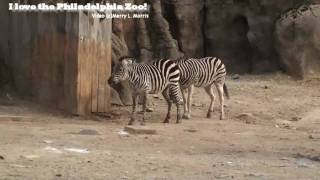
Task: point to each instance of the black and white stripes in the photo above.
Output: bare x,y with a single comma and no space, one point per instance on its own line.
204,72
171,78
160,76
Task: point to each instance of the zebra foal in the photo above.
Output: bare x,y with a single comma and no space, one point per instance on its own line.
205,72
150,78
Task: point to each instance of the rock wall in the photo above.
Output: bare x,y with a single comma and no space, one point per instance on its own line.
5,74
186,19
4,28
298,42
241,32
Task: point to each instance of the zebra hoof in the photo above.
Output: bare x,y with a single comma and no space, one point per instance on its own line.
178,122
131,122
209,115
166,121
222,117
143,123
185,116
149,109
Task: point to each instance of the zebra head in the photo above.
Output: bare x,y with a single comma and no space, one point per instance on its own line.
121,71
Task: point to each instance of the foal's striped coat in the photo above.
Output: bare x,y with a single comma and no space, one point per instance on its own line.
150,78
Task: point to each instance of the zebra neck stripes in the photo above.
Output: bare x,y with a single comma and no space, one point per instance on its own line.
146,77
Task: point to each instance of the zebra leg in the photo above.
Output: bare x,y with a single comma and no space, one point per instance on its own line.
209,91
166,96
179,116
144,107
190,92
148,108
175,94
185,106
168,112
221,97
134,104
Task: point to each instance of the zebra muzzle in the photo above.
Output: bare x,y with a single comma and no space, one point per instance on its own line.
111,82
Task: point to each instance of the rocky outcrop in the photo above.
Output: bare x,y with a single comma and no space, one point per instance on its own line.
163,42
157,43
186,23
143,41
119,49
298,42
240,32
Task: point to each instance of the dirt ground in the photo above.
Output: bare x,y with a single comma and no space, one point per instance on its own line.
272,131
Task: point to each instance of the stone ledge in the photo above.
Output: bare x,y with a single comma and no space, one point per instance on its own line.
140,130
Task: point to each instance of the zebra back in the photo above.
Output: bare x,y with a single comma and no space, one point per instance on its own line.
201,72
169,68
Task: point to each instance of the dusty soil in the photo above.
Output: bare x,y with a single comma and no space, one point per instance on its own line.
272,132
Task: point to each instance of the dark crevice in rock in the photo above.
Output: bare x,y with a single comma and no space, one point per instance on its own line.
240,27
203,26
170,15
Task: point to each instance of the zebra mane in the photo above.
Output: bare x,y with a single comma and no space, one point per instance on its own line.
181,58
127,57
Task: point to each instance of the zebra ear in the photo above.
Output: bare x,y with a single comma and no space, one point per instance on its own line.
130,61
126,61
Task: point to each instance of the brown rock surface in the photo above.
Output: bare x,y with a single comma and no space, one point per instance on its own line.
298,42
186,19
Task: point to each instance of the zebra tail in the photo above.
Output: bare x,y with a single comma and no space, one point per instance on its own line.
226,92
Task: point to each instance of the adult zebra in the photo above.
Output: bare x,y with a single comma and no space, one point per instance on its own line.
150,78
204,72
